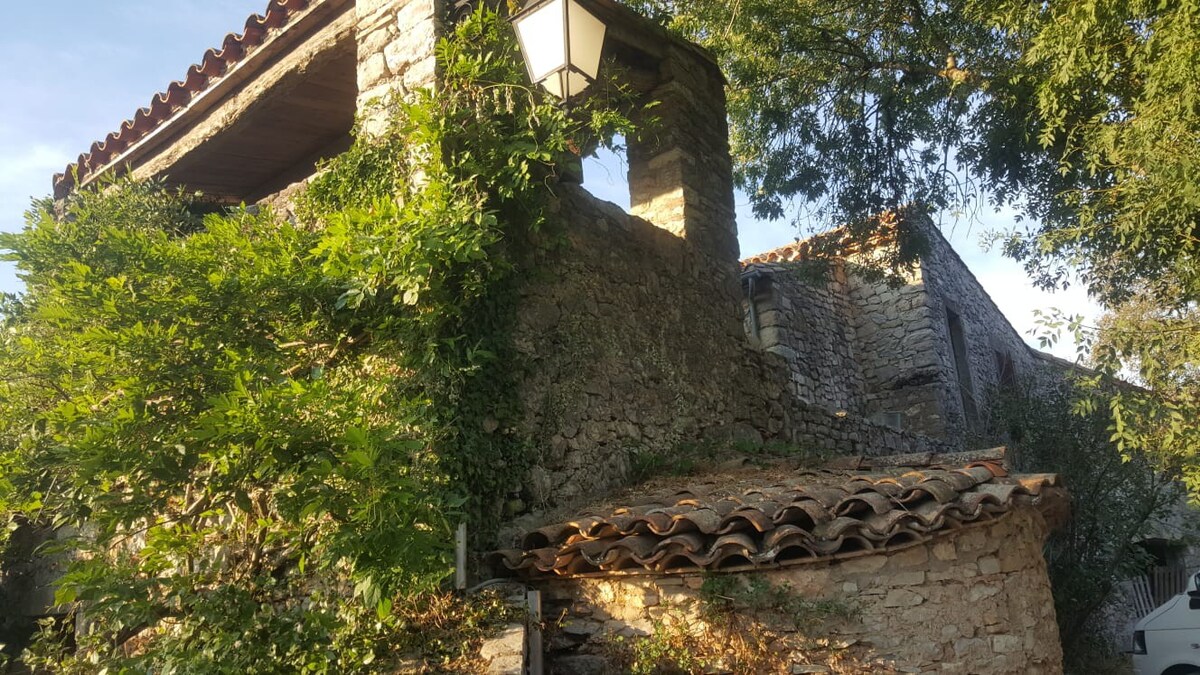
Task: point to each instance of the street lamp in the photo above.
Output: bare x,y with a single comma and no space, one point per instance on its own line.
561,42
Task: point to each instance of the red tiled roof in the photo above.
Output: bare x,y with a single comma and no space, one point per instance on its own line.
835,243
778,520
164,105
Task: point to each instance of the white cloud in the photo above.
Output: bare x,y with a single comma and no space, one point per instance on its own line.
38,159
25,173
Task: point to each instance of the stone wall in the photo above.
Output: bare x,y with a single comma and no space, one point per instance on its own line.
806,318
989,339
895,334
394,50
976,600
853,346
631,330
632,341
396,41
886,352
680,170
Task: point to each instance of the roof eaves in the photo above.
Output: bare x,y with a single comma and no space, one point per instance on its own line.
181,96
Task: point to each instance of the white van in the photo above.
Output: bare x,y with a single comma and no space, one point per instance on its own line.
1167,640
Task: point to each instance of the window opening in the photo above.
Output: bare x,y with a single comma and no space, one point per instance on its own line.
962,367
1006,373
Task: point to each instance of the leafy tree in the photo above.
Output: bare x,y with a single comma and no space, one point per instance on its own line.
1115,504
1082,115
260,432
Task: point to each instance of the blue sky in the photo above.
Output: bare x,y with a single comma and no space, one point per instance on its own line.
76,68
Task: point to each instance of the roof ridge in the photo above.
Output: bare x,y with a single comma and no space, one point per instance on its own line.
840,240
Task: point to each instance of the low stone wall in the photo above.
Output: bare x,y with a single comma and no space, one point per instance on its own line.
834,434
976,600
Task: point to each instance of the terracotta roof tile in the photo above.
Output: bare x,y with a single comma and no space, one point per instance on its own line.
839,242
771,520
164,105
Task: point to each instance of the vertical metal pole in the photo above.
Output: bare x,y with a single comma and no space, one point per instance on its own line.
533,633
460,557
566,81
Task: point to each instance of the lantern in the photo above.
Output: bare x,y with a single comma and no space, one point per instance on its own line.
561,43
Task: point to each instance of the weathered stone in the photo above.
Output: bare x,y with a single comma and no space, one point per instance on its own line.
864,565
973,650
906,578
1007,644
944,550
580,628
578,664
506,664
900,597
971,540
510,641
981,591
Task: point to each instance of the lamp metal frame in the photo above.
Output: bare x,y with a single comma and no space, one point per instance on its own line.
563,73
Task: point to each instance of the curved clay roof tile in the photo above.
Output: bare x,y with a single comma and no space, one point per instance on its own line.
163,105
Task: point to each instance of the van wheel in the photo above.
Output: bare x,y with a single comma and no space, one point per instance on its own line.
1182,670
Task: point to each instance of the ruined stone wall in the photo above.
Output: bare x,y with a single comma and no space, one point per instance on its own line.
976,600
989,339
853,346
805,317
886,353
896,337
631,340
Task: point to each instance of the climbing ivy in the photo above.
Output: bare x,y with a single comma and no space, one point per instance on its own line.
253,435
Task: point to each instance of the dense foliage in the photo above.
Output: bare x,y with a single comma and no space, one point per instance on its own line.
254,435
1083,116
1115,504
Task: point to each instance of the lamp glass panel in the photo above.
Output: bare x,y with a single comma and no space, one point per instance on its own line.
554,83
542,39
587,40
573,82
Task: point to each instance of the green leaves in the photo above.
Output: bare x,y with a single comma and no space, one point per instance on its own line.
262,433
1118,500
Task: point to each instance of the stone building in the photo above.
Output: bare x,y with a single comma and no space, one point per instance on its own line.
936,561
653,332
927,356
645,339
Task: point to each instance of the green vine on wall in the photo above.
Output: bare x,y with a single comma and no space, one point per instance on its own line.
254,437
